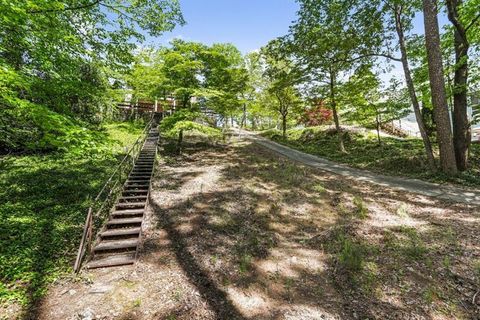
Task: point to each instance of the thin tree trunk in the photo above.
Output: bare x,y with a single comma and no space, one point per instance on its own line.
377,120
244,116
461,126
333,103
179,141
437,87
283,110
411,89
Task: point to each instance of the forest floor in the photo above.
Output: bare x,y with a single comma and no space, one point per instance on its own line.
238,232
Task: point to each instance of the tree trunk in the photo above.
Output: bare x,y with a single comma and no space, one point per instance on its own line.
333,103
179,141
377,120
411,89
437,87
461,126
244,116
284,124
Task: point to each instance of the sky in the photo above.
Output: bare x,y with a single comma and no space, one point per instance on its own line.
248,24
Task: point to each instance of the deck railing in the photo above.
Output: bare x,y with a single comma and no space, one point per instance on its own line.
102,203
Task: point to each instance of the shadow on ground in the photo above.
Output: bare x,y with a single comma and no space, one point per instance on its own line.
270,239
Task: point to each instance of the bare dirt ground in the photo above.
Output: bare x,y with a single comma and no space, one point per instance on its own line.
238,232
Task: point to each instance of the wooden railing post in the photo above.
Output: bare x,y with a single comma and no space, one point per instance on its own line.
85,236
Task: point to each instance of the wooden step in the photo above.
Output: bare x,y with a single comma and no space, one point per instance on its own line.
130,204
137,185
135,191
125,221
112,261
125,211
123,214
127,198
116,245
120,232
143,189
137,176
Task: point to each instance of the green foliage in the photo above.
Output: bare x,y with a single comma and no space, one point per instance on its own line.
25,126
43,202
213,74
360,209
196,128
169,122
476,269
183,121
351,256
62,56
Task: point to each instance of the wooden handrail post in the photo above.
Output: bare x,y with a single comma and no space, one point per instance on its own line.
86,227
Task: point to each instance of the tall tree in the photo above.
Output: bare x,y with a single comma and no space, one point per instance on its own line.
281,81
437,87
326,41
463,17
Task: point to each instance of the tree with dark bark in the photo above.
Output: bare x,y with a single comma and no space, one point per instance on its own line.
437,87
463,24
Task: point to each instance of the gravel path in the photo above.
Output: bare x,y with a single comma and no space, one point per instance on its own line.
443,192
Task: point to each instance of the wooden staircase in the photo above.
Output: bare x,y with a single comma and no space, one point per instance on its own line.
117,242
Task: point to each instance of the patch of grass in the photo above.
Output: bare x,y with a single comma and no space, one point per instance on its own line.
245,263
402,211
430,295
319,188
43,203
476,269
351,256
410,245
404,157
361,211
177,295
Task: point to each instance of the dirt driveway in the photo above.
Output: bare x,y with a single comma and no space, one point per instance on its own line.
238,232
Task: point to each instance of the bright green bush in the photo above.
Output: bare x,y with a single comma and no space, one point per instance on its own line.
196,128
25,126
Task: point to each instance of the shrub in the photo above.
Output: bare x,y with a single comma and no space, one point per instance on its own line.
29,127
351,256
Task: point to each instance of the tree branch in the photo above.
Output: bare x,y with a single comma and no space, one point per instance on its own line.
385,55
475,20
84,6
453,17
